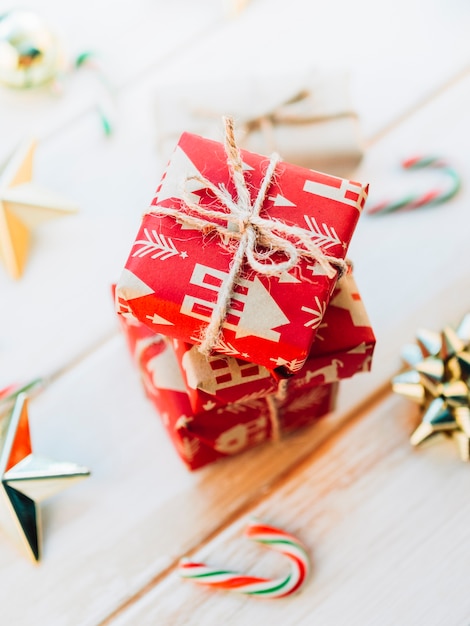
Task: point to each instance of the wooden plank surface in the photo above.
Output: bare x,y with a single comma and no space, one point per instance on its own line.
387,529
141,509
87,415
114,540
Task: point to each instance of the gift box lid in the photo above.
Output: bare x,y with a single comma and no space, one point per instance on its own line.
178,266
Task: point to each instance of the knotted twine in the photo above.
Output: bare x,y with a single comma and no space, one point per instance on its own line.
282,116
259,238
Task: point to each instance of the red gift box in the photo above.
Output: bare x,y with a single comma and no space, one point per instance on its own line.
215,381
202,439
175,271
344,345
299,407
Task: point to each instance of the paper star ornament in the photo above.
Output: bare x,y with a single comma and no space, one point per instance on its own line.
439,381
23,205
27,479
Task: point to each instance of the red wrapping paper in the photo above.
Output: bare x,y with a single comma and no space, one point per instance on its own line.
173,273
212,435
218,380
304,405
344,346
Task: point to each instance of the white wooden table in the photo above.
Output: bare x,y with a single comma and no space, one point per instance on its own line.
388,526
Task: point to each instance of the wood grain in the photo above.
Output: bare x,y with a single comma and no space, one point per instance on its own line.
387,527
141,509
386,524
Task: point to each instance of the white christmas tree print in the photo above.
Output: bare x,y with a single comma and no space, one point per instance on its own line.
256,325
190,447
307,400
173,181
239,407
317,313
349,299
256,298
293,366
319,336
157,246
226,348
209,405
252,399
324,239
126,312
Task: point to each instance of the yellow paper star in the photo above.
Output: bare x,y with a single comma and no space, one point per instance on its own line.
27,480
23,205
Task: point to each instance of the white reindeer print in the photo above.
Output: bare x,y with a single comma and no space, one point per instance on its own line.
329,373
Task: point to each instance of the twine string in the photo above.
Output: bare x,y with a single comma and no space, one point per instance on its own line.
274,417
245,211
258,238
280,115
267,122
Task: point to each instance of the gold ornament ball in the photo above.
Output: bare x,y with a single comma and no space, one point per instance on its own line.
30,52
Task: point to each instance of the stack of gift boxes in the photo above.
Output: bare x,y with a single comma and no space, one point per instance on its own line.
286,340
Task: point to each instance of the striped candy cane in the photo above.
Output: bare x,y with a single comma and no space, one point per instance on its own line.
430,198
10,393
106,100
271,537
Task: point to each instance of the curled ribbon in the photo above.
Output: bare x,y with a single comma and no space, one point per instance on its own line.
250,229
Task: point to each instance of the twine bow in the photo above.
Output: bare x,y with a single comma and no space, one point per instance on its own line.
259,238
282,115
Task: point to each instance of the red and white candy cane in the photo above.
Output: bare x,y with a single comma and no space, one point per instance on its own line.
9,394
274,538
432,197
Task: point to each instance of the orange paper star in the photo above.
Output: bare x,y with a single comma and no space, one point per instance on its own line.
23,205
